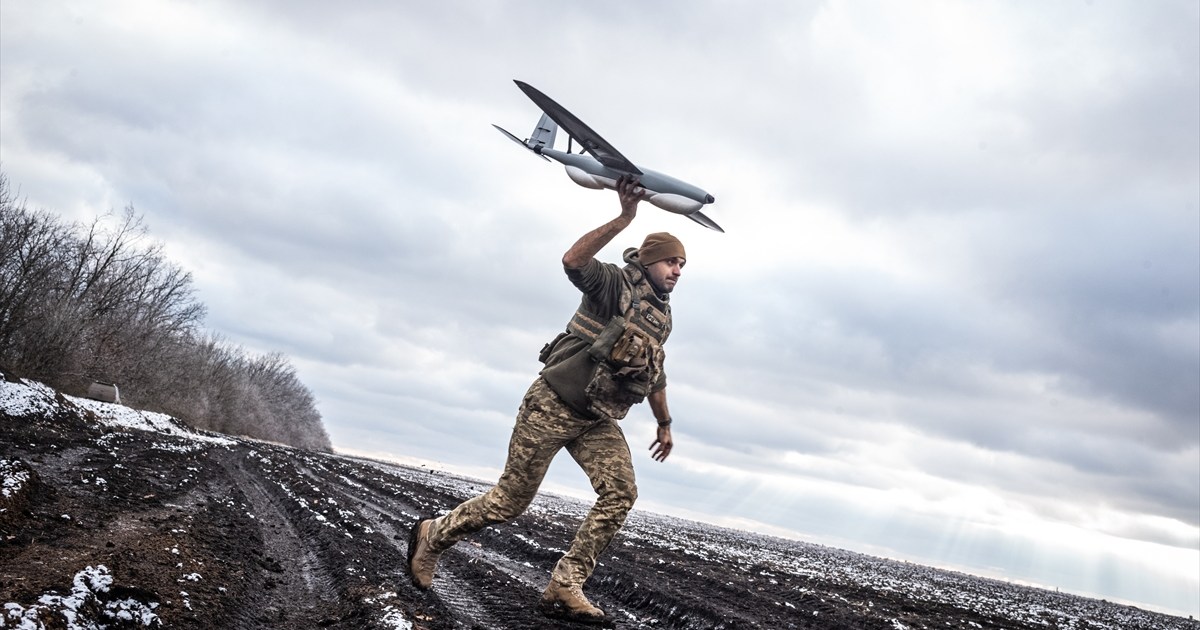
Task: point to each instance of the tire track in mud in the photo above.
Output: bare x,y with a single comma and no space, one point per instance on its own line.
302,588
496,583
458,593
478,586
674,597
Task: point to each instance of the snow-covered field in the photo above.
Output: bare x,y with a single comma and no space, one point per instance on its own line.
113,517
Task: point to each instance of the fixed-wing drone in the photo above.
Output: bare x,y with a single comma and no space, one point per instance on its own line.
606,164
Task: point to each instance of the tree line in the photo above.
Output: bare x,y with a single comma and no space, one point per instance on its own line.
98,301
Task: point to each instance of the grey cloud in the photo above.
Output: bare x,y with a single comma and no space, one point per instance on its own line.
334,176
915,346
1099,288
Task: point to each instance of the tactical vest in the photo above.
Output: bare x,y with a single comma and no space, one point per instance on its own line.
627,348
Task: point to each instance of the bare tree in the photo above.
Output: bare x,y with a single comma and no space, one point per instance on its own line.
32,246
101,302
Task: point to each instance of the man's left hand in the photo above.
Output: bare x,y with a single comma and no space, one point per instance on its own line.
662,444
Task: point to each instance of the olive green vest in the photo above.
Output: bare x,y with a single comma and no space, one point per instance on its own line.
627,349
613,364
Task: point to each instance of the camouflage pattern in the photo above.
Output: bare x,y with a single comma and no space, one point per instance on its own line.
544,426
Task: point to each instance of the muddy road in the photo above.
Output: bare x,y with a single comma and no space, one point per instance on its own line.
121,520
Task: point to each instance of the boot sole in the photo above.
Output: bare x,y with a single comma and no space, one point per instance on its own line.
557,611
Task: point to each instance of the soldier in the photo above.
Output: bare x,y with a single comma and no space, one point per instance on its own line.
609,358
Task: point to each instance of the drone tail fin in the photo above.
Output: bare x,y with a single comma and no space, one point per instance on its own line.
519,141
542,136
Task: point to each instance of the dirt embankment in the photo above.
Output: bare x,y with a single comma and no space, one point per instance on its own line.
114,526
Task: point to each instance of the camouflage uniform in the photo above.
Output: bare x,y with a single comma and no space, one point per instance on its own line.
545,425
548,421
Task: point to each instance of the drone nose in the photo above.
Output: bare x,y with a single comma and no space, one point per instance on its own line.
708,199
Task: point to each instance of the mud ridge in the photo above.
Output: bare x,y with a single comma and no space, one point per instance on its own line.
126,528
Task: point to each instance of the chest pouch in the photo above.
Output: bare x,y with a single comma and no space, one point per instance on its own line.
632,361
630,349
606,341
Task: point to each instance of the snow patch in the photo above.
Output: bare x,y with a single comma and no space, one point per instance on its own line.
17,399
122,417
392,617
74,609
25,400
12,477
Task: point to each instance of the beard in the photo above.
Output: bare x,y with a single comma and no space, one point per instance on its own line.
658,286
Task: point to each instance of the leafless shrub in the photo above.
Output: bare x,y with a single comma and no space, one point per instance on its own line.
101,302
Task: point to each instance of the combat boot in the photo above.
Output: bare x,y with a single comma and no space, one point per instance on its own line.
569,603
422,559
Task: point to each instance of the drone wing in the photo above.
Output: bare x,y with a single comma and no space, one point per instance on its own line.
700,218
600,149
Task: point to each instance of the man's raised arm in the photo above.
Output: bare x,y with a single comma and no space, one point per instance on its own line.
591,243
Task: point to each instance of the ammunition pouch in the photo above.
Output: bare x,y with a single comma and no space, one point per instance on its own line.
609,395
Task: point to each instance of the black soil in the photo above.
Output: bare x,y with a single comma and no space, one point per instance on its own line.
252,535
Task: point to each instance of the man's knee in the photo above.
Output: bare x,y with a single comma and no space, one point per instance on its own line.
630,494
620,495
506,512
506,504
613,480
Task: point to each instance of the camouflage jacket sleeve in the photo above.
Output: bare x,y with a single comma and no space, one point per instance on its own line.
601,285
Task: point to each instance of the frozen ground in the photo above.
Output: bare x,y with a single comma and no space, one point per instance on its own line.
111,518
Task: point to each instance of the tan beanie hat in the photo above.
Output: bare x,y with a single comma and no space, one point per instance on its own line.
659,246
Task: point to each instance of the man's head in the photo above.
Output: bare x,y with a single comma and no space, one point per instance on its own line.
663,257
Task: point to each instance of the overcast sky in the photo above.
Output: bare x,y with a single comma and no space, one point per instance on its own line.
955,317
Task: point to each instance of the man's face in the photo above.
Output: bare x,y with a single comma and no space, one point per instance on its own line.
664,274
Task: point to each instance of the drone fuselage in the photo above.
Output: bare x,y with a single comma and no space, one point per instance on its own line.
662,190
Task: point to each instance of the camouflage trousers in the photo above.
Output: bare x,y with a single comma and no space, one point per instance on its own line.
544,426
